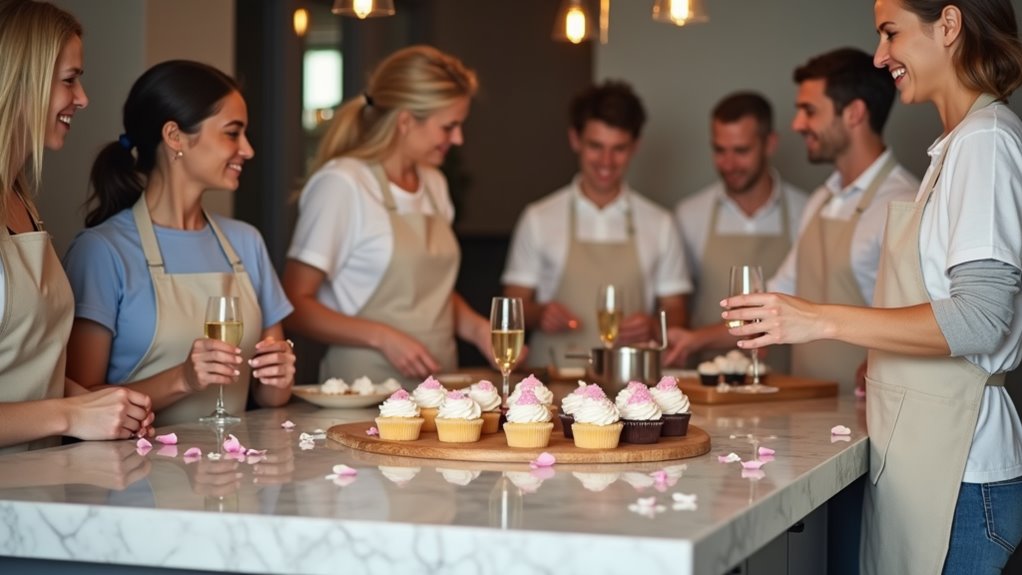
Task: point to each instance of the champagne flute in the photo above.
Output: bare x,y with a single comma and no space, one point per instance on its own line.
223,322
747,279
507,334
609,302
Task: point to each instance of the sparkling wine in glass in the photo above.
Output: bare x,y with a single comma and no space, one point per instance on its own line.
507,334
748,279
609,303
223,322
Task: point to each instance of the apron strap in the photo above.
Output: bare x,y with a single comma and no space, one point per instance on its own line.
388,196
225,244
151,247
782,204
982,101
874,185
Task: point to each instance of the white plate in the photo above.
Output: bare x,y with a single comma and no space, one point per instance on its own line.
681,373
312,394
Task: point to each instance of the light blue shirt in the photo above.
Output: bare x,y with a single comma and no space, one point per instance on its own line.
112,286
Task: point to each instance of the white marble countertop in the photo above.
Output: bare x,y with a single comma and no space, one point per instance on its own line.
103,502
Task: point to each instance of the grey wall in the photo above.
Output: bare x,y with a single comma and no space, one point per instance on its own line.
747,44
121,40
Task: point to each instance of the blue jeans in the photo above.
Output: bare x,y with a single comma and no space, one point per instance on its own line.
986,529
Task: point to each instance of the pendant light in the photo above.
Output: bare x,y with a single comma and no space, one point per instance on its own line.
574,23
680,12
363,9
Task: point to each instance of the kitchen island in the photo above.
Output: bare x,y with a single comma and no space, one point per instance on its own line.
103,502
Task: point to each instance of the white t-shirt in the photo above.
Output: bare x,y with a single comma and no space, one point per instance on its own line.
974,215
693,216
539,247
900,185
344,229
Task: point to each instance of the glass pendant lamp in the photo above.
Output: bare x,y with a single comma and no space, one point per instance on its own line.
362,9
575,22
680,12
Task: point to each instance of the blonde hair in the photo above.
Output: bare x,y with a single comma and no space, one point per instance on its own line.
32,35
419,79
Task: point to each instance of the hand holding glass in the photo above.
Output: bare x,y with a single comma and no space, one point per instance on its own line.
507,335
609,312
745,280
223,322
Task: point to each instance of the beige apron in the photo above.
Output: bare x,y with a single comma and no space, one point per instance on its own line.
37,317
415,294
921,413
726,250
180,312
824,274
587,266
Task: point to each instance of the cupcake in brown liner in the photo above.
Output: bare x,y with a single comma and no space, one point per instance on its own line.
399,418
429,395
641,415
597,421
568,406
459,419
566,421
485,394
709,373
675,406
528,422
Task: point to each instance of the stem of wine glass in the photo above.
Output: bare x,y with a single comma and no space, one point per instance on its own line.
755,367
506,375
220,411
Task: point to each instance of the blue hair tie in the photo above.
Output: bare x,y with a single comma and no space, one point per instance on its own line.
125,142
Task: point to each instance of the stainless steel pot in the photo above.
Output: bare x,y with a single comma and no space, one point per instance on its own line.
613,368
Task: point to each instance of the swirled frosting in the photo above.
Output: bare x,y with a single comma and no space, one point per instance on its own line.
544,395
485,394
670,399
399,404
334,386
596,408
363,386
641,406
625,394
429,393
528,409
571,401
458,405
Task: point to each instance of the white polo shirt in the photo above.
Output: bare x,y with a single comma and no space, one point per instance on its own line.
539,246
899,185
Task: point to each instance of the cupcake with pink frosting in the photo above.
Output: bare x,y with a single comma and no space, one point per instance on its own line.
625,394
597,421
545,396
485,394
459,419
528,422
399,418
675,406
429,395
568,406
642,417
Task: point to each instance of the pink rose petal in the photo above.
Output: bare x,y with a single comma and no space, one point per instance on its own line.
840,430
373,432
755,474
288,424
545,459
345,471
143,450
766,451
143,443
766,458
168,439
752,464
167,451
232,445
192,454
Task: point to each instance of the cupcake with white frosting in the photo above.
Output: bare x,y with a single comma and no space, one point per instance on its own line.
429,395
675,406
363,386
334,386
568,406
399,418
528,422
459,419
642,417
597,421
485,394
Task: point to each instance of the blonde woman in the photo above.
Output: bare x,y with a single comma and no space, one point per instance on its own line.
945,478
373,260
40,92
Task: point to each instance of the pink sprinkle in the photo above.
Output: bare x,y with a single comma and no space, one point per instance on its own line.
288,424
343,470
400,394
545,459
456,395
168,439
594,392
192,454
633,385
530,382
167,451
143,443
640,395
485,385
528,397
752,464
430,383
667,383
232,445
373,432
766,451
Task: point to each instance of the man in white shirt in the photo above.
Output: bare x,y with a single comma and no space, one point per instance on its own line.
842,105
596,231
749,216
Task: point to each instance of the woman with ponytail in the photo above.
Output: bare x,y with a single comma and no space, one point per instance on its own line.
373,260
151,257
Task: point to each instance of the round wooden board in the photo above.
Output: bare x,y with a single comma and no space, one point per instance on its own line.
493,448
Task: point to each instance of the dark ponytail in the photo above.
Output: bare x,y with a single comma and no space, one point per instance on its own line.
180,91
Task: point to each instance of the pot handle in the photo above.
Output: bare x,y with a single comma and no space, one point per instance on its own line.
663,330
585,356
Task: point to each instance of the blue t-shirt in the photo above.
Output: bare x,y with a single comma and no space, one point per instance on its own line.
112,286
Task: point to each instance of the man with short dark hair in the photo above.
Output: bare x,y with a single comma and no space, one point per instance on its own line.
595,231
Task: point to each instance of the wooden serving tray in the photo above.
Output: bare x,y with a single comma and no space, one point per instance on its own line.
493,448
790,387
